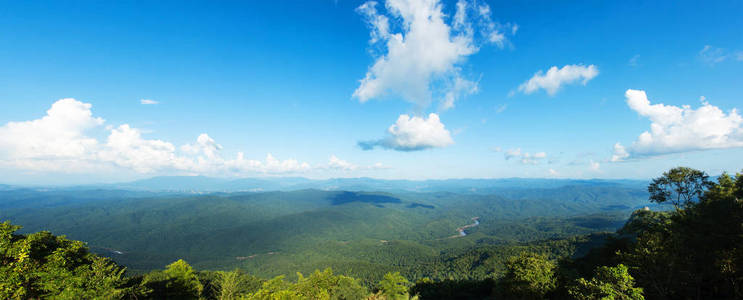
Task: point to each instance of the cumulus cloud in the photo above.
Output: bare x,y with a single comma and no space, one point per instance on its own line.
60,141
676,129
420,51
413,133
59,135
148,102
555,78
620,153
523,157
125,147
204,145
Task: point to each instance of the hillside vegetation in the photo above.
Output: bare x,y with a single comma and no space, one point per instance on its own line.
363,234
690,252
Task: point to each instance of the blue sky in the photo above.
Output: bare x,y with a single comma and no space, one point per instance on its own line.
285,78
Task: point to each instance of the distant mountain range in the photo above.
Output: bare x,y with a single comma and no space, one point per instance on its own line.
198,184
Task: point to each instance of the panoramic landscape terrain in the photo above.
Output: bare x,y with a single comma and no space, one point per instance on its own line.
364,233
361,149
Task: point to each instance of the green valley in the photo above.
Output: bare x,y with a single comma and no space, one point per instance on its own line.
363,234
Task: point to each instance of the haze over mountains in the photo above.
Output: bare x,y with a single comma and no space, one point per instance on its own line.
469,186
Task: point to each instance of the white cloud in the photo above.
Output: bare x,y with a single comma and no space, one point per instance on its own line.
620,153
595,166
270,165
461,88
420,54
126,148
413,133
523,157
680,129
492,31
204,145
60,142
59,136
338,164
556,78
460,17
335,163
148,102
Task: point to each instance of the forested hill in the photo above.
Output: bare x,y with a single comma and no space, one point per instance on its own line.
691,251
273,233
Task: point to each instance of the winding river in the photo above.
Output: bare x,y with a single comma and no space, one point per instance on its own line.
476,221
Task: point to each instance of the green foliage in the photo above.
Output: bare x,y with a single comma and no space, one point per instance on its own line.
394,286
306,230
319,285
48,266
229,285
694,247
275,289
645,221
453,289
325,285
680,186
609,283
177,281
695,251
529,276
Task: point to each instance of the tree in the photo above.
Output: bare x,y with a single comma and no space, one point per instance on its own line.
680,186
528,276
696,250
325,285
394,286
609,283
229,285
320,285
275,289
177,281
348,288
738,193
41,265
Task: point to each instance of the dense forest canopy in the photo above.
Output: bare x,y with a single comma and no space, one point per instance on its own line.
363,234
692,251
